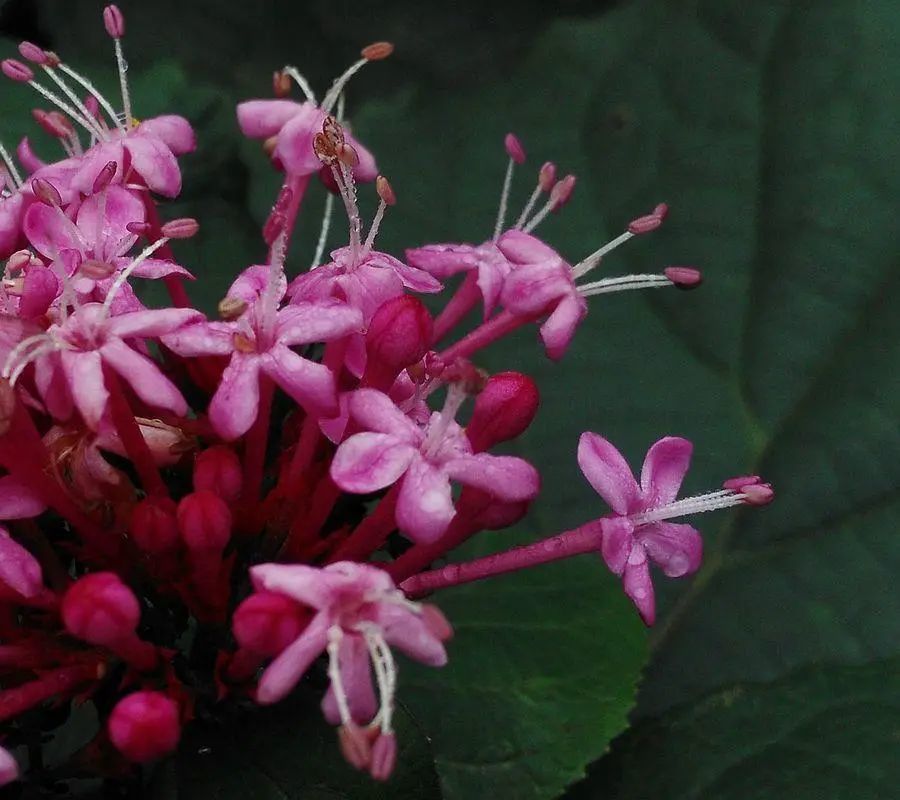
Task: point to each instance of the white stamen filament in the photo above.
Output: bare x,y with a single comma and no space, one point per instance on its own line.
341,108
623,284
20,349
34,355
504,198
11,167
347,188
89,87
123,83
335,635
529,206
587,264
126,273
323,231
63,106
699,504
385,675
538,218
338,86
373,228
67,91
294,74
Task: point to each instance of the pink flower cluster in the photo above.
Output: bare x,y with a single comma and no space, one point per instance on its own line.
145,477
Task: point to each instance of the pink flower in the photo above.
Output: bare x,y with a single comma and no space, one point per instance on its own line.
9,770
20,572
637,531
259,348
393,448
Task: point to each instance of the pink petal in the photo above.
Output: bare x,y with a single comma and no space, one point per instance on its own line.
677,548
174,131
608,472
19,570
28,158
416,279
523,248
84,374
260,119
617,542
17,500
664,468
311,384
493,269
404,629
307,585
9,769
155,268
102,219
152,323
236,402
144,377
560,326
368,288
504,477
303,323
202,339
11,211
367,462
250,284
356,676
425,504
40,289
295,140
285,671
53,386
49,231
154,162
375,411
443,260
531,289
92,162
638,586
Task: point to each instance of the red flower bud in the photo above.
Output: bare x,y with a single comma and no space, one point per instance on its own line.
100,609
153,526
503,410
218,469
399,335
266,623
204,521
144,726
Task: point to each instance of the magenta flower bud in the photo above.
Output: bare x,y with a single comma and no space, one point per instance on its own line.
738,483
562,191
153,526
100,609
355,745
684,277
104,177
399,335
204,521
514,148
46,192
31,52
645,224
114,21
547,176
9,770
758,494
144,726
16,70
218,470
503,410
266,623
183,228
384,757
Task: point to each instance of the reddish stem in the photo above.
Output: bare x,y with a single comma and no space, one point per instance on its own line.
132,439
305,529
62,681
585,539
463,301
137,653
255,450
372,532
419,556
487,333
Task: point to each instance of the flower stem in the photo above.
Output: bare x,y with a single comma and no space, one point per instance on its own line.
462,302
487,333
372,532
585,539
62,681
420,556
255,450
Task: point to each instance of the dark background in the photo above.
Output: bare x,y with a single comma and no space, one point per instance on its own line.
771,129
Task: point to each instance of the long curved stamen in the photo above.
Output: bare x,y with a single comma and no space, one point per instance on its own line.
587,264
94,92
385,675
300,80
373,52
623,284
20,349
90,126
335,636
323,231
125,273
97,131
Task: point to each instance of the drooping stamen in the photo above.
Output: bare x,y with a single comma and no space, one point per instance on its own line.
294,74
95,93
114,22
123,276
546,181
516,154
637,227
98,131
387,198
623,283
10,165
335,636
700,504
385,675
559,196
373,52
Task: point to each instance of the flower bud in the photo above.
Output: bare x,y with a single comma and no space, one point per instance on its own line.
384,757
19,570
266,623
204,521
183,228
9,770
16,70
100,609
514,148
114,21
153,526
684,277
503,410
218,470
144,726
399,335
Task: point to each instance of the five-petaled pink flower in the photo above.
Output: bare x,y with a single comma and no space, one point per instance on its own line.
392,447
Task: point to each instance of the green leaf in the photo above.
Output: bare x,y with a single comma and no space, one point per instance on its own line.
826,731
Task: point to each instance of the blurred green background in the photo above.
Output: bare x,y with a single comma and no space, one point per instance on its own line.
772,128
